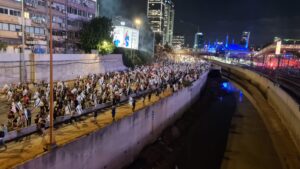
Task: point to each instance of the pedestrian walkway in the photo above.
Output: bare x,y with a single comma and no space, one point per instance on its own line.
32,146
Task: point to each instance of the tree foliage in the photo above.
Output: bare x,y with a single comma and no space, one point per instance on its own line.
105,47
94,33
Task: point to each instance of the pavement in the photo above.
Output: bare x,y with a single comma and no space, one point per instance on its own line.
32,146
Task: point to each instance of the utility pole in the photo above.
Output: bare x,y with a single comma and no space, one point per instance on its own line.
154,44
22,57
51,141
66,26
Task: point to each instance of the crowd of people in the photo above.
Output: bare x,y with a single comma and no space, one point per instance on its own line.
30,102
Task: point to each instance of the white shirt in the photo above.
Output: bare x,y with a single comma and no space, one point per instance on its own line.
79,110
68,110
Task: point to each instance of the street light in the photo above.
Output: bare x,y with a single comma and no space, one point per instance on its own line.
51,141
22,57
138,23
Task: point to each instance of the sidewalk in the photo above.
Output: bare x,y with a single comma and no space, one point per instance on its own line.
32,146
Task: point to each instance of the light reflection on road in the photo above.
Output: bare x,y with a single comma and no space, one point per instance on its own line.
230,88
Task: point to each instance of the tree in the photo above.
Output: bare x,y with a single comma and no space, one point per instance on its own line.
96,34
105,47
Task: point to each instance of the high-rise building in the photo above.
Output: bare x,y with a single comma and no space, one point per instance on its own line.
161,17
156,16
178,41
67,19
245,39
199,41
168,22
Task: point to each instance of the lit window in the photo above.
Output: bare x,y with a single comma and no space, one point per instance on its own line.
18,28
42,31
27,29
5,26
36,31
31,29
12,27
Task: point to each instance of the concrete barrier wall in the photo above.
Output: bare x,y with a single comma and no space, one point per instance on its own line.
286,107
117,145
66,66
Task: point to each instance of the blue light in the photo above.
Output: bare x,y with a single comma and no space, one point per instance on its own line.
237,47
225,85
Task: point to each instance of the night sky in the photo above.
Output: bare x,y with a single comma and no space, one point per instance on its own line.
215,18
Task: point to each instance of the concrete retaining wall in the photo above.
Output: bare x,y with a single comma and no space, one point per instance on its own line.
118,144
66,66
286,107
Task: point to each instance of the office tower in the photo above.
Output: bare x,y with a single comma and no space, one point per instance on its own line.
161,14
245,39
168,22
156,16
178,41
199,41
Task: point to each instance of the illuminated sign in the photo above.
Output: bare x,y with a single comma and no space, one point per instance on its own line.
278,48
125,37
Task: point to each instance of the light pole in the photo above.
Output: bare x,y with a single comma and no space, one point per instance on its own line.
278,54
51,141
153,44
22,57
137,23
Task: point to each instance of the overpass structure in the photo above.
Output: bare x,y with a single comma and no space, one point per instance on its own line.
289,46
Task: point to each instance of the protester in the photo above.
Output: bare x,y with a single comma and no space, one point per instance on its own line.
72,98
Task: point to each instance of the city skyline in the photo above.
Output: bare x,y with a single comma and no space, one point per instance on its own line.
264,19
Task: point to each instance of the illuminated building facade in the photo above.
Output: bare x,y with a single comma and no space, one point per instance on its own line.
245,39
156,15
161,14
68,16
178,41
199,41
168,22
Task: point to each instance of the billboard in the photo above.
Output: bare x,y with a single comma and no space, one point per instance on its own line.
125,37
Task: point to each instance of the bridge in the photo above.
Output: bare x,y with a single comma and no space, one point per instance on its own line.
288,46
